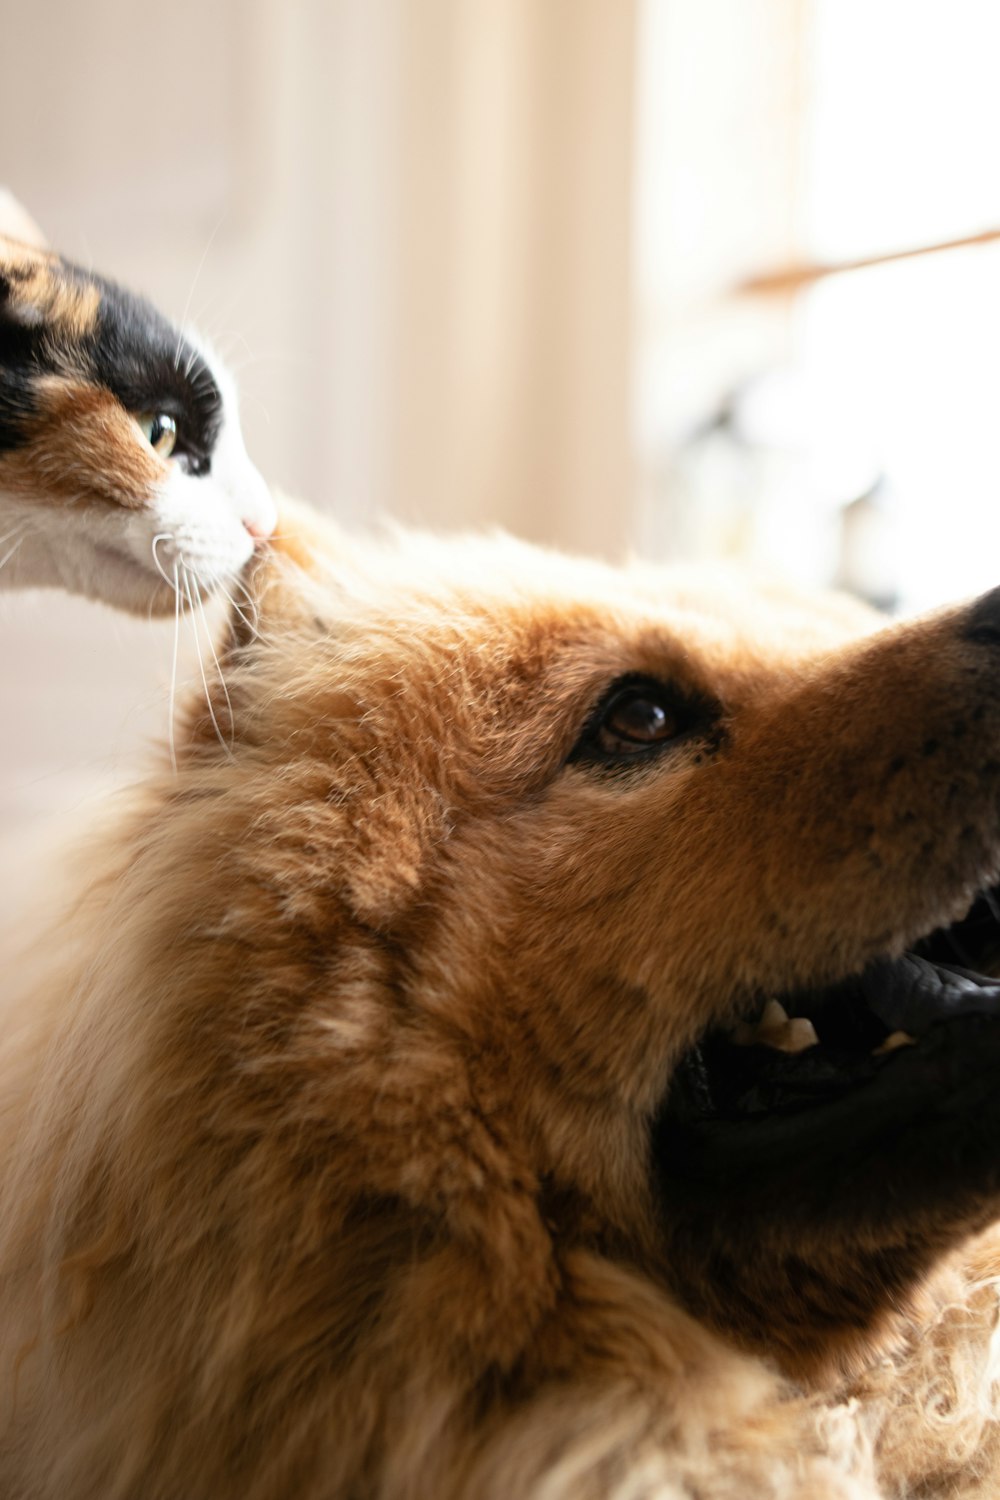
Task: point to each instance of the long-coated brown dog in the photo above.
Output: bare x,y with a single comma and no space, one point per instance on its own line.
523,1055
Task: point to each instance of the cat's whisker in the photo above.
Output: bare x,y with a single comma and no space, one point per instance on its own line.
250,624
218,667
173,671
7,557
196,373
19,530
231,338
238,580
201,379
194,285
201,662
164,536
252,396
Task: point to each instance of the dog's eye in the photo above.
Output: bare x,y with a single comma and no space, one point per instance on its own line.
635,719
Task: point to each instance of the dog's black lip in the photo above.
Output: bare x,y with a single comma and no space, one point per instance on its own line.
913,994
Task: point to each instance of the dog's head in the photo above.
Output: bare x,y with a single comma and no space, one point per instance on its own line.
479,873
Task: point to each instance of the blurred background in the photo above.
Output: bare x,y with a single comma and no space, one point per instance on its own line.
681,277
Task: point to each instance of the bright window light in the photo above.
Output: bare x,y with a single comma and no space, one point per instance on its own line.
903,126
847,432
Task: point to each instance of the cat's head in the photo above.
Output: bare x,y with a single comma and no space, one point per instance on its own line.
123,472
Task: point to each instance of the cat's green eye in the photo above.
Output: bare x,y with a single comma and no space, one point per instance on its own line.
159,430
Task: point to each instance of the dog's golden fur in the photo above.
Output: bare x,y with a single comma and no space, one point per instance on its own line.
324,1156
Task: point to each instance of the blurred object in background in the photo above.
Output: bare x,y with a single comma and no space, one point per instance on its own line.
881,147
869,547
785,474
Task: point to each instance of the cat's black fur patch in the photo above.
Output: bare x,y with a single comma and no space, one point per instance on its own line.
132,351
21,363
139,356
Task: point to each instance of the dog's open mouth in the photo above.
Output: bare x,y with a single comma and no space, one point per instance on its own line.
816,1158
814,1046
887,1083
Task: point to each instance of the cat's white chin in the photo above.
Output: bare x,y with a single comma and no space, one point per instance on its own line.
167,555
138,586
170,561
182,543
106,572
134,584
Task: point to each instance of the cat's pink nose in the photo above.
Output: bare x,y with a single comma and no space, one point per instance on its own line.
258,510
259,533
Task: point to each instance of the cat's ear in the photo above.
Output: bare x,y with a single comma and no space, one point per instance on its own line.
17,224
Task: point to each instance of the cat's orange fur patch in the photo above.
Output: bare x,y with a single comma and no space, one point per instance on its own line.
86,449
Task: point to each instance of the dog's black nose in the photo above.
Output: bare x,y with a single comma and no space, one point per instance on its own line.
982,623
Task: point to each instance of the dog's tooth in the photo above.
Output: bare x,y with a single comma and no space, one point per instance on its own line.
893,1041
798,1035
775,1015
777,1030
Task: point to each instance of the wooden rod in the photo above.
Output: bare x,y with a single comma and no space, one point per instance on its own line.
794,278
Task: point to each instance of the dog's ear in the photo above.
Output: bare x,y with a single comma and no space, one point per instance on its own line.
17,224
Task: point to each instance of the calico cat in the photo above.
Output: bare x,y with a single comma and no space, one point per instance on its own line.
123,473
